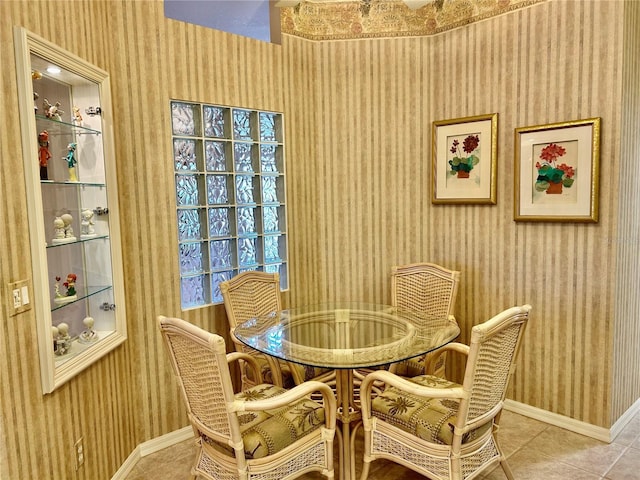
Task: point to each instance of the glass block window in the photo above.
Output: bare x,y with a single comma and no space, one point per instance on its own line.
230,196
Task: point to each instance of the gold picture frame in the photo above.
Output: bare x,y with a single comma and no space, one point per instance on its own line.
464,156
557,172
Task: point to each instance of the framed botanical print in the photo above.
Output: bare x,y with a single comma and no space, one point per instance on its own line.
464,153
557,172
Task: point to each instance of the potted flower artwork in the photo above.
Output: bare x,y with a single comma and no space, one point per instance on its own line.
463,162
551,175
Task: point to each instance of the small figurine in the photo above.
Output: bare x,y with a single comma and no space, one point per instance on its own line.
71,161
57,289
43,154
54,334
70,285
52,111
68,228
77,117
35,107
87,223
61,338
89,335
58,225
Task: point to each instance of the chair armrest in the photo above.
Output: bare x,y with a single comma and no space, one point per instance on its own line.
432,358
290,396
455,347
249,360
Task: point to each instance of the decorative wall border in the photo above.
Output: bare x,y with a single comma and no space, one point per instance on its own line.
350,19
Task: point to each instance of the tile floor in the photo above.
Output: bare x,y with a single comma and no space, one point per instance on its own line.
535,450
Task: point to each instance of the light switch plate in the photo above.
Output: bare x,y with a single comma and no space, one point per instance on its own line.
19,297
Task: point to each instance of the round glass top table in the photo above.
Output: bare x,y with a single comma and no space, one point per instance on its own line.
346,336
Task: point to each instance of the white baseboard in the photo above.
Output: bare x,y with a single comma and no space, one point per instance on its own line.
624,419
152,446
164,441
583,428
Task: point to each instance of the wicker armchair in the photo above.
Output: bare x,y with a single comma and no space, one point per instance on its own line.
251,294
264,432
438,428
427,288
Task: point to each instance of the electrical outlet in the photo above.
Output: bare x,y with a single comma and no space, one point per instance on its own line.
78,448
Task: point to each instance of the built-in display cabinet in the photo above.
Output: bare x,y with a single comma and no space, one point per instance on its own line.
65,114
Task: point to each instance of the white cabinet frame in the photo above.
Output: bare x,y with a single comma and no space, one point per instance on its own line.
53,371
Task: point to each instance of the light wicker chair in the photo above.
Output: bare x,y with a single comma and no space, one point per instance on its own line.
438,428
252,294
248,295
426,288
263,433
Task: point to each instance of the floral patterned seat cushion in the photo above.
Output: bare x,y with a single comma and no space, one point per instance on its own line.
267,432
431,419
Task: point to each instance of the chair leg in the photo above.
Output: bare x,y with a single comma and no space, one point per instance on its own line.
366,457
365,470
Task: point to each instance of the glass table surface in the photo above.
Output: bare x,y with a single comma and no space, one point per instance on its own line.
346,335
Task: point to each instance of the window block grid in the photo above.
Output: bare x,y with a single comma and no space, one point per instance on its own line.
230,196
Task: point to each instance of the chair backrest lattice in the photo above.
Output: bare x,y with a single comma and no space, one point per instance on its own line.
425,287
249,295
492,355
199,362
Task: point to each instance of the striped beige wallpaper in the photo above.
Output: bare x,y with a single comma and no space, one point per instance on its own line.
626,381
358,119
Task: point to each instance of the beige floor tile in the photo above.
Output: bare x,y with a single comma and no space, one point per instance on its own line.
516,430
529,464
577,450
630,433
627,467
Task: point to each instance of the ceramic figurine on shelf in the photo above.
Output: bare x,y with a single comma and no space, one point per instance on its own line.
70,285
54,334
71,161
87,223
71,293
62,339
57,290
43,154
52,111
63,230
58,225
77,116
89,335
68,228
35,75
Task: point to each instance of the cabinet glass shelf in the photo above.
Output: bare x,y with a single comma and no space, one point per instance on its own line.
78,348
82,294
58,127
79,240
72,184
